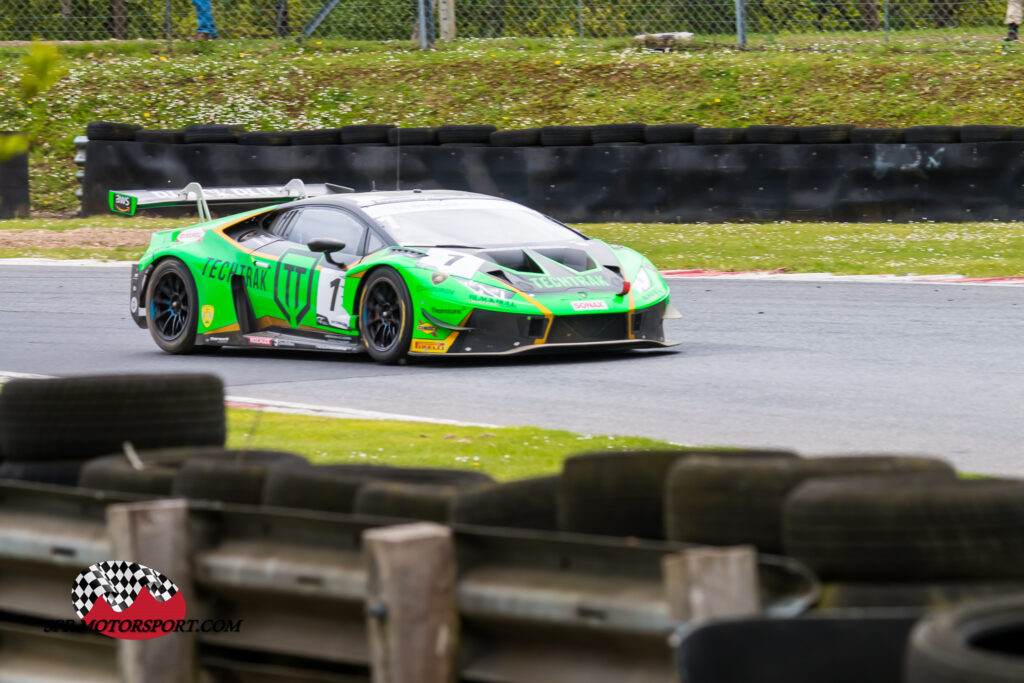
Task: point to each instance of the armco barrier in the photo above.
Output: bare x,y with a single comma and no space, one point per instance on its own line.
665,183
533,606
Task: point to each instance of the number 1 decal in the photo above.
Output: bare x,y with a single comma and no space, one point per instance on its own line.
330,300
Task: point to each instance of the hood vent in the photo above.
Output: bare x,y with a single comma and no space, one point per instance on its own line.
512,259
575,259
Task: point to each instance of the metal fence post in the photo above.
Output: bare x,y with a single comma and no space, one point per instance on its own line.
885,12
423,23
167,21
741,24
579,18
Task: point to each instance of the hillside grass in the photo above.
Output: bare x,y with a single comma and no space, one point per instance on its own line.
287,85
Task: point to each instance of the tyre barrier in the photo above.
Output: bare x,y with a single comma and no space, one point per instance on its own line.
850,647
978,642
525,504
49,419
621,171
237,478
908,528
621,493
730,501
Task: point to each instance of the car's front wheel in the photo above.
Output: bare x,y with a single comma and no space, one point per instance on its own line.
385,316
173,307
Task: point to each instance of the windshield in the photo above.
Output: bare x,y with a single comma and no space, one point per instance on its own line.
467,222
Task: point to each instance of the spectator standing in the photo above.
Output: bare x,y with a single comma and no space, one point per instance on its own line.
204,17
1013,17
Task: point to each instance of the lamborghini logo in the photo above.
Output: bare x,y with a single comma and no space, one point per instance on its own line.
207,312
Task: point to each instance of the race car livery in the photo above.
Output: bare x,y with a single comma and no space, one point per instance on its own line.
390,273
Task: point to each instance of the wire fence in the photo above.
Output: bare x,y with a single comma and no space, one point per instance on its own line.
843,24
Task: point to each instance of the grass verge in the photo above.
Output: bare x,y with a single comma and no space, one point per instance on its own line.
970,249
503,452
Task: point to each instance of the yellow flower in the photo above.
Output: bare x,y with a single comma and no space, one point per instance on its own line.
163,59
717,100
557,62
146,114
319,42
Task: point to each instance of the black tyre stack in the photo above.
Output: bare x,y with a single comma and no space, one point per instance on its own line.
50,427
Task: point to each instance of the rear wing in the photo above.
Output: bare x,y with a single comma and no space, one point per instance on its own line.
127,202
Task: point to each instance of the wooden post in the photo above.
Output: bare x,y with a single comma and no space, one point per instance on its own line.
411,609
155,533
446,17
711,583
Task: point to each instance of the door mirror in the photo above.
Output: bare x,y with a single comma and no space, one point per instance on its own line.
327,246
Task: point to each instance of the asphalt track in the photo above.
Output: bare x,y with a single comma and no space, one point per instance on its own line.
820,367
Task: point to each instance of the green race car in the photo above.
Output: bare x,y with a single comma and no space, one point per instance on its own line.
393,274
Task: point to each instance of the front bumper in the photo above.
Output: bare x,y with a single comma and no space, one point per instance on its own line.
498,333
137,297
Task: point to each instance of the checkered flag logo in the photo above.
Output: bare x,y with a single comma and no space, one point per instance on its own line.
119,583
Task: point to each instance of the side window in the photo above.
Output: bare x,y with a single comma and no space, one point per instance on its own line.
280,224
374,243
317,221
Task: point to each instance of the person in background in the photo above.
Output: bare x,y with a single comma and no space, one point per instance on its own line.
204,17
1013,17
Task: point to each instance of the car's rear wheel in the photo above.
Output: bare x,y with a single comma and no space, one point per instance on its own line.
385,316
173,307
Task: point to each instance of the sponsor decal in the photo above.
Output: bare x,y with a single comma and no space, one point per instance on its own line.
283,342
261,341
427,328
438,278
218,269
191,235
552,282
115,598
219,340
447,311
428,346
293,284
207,314
589,306
493,302
122,203
134,305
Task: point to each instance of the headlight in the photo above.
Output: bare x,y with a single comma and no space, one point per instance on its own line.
642,282
487,290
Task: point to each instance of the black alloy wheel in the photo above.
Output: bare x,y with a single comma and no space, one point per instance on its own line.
172,307
385,316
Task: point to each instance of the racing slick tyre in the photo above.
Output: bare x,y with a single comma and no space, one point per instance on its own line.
173,307
273,138
412,136
772,135
617,133
385,316
986,133
669,133
878,136
238,479
480,134
922,528
333,488
719,136
83,417
212,132
366,134
933,134
160,467
976,642
734,501
426,502
60,472
524,137
162,136
622,493
819,135
525,504
565,136
109,130
324,136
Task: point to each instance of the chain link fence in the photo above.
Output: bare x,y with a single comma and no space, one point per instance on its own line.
844,24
